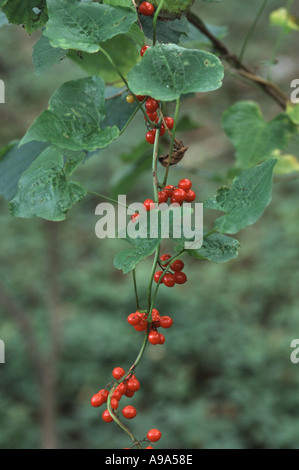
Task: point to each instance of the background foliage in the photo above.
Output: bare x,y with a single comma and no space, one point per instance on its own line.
224,378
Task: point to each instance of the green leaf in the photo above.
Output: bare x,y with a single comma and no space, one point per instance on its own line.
30,13
45,56
3,19
73,118
245,202
167,31
13,162
120,48
216,247
44,190
82,26
255,140
168,71
126,260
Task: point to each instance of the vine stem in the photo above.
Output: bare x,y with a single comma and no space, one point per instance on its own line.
93,193
251,30
160,6
111,61
177,107
135,289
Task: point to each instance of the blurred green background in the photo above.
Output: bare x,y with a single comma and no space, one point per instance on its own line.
224,378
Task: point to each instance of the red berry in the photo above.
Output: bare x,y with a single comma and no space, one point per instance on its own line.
134,319
162,196
149,204
133,385
154,435
169,189
169,122
146,9
114,403
117,394
118,372
169,280
134,217
157,276
179,195
154,337
151,105
151,136
129,412
180,278
177,265
164,258
162,130
149,447
104,393
129,393
152,116
97,400
122,388
143,50
166,321
142,326
141,97
185,184
162,339
107,416
190,196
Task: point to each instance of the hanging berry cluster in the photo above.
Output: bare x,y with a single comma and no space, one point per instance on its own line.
140,322
173,275
125,385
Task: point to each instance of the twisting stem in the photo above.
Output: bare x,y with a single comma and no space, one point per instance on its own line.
135,289
172,140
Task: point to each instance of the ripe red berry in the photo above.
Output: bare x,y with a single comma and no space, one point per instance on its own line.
152,116
166,321
118,372
121,388
107,416
114,403
177,265
162,130
162,339
151,136
134,319
169,122
162,196
190,196
129,393
133,385
143,50
149,204
142,326
154,337
157,275
146,9
129,412
104,393
180,277
169,189
179,195
151,105
185,184
154,435
141,97
97,400
169,279
164,258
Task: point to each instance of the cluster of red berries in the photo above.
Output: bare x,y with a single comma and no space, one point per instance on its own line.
146,9
126,387
139,320
169,279
183,193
